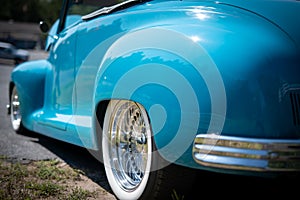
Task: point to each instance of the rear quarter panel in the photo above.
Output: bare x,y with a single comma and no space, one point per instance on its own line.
196,68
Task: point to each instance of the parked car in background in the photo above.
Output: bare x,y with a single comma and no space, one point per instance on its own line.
205,85
9,51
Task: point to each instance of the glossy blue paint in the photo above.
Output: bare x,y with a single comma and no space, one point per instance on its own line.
196,67
29,78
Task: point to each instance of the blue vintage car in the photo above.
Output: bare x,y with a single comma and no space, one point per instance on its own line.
145,85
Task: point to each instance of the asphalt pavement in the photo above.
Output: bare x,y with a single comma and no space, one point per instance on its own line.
16,146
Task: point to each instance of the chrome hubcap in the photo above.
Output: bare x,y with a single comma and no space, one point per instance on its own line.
128,149
15,110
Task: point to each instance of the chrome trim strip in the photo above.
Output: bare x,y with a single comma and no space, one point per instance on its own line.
251,154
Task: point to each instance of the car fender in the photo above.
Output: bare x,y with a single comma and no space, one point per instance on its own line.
159,76
209,55
29,79
221,79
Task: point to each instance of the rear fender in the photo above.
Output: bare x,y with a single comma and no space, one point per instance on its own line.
160,76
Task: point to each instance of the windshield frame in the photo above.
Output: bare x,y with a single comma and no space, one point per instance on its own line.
109,9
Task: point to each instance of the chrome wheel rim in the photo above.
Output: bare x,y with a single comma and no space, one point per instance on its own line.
129,146
15,110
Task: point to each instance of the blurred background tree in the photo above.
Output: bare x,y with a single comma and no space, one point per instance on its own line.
30,10
19,21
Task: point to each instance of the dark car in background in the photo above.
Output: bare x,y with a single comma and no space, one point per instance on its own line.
9,51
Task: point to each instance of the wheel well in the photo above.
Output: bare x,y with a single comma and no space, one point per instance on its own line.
100,114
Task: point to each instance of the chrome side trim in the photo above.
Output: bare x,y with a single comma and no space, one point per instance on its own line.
251,154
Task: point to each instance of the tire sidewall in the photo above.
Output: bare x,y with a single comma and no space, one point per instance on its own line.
115,186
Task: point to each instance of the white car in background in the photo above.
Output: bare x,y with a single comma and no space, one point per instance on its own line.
9,51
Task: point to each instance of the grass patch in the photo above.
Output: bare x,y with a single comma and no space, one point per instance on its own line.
49,170
44,189
40,180
78,194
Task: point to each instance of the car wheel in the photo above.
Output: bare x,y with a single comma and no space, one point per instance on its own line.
15,111
131,166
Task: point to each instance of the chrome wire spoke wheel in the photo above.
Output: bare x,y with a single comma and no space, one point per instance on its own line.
15,115
127,148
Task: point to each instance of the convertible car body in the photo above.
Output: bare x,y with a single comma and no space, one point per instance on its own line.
201,84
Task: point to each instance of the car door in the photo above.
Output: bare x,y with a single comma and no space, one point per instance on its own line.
60,79
60,95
